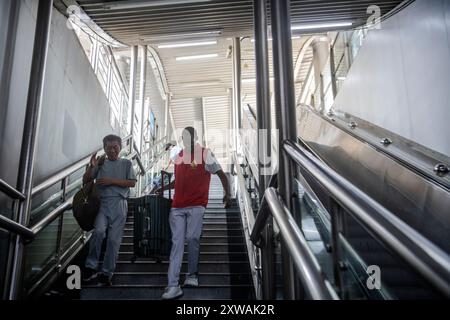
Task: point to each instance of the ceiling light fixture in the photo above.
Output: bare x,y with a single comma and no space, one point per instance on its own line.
186,44
322,25
179,35
117,5
196,57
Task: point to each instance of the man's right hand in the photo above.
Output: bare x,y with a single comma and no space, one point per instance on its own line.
227,201
94,160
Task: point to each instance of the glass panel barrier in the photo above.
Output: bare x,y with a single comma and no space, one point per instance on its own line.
369,260
70,231
315,223
41,253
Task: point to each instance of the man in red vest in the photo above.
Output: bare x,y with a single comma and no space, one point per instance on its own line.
193,168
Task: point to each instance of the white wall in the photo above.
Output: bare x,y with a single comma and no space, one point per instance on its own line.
400,79
75,112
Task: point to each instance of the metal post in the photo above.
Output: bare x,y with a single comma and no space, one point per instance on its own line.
30,133
109,79
285,107
64,184
237,85
264,141
336,252
333,72
132,91
262,90
142,93
166,118
142,100
348,50
322,93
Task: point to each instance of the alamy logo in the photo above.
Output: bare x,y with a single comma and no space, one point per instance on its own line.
374,279
74,279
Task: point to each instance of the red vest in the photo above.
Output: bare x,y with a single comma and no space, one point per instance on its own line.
191,179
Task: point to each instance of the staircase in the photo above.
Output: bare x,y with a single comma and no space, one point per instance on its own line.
223,268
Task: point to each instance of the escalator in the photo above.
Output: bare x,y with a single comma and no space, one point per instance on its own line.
384,174
401,179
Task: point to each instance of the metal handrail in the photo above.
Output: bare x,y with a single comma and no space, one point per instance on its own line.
29,233
308,269
49,218
421,254
10,191
246,198
248,219
17,228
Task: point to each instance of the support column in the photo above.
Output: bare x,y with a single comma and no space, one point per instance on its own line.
333,72
30,134
132,91
285,116
262,90
166,118
143,79
142,120
321,51
237,86
264,139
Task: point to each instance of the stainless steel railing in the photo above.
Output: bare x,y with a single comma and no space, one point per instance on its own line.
248,219
418,252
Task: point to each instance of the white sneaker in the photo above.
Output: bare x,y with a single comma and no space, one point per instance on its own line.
191,281
172,293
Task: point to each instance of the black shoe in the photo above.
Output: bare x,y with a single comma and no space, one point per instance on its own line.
104,280
89,275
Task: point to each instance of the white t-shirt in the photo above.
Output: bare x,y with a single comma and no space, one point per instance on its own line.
174,151
211,163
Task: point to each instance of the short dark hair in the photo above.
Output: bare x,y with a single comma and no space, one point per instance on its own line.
112,138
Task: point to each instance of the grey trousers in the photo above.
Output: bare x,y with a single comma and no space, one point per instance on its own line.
112,217
186,225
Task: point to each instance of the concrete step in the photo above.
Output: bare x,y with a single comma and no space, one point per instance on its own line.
221,231
204,239
160,278
209,222
204,256
203,266
147,292
204,247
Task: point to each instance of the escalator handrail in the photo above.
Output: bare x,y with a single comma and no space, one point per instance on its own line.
421,254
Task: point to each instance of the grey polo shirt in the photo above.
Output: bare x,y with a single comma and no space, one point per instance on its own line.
118,169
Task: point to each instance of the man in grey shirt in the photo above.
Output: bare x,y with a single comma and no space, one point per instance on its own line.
114,178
